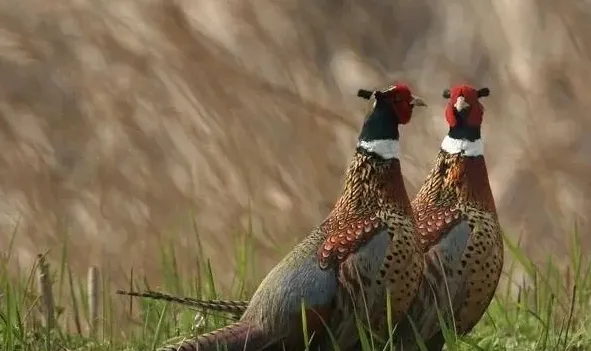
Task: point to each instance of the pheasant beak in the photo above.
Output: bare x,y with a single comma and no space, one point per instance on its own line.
461,104
417,101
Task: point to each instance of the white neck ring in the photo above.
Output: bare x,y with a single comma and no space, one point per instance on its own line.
463,146
385,148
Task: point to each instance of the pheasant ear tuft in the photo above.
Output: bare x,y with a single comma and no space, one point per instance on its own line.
483,92
364,94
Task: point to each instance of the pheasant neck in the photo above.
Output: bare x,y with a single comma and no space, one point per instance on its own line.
373,183
460,171
468,177
374,179
379,134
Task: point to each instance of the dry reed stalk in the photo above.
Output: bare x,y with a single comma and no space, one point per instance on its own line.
93,287
568,283
46,294
74,302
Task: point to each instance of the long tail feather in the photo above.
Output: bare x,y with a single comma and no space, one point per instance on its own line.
236,308
239,336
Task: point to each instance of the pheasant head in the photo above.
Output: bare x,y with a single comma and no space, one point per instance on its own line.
464,114
394,106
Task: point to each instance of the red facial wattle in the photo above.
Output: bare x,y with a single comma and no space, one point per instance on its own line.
476,110
403,110
401,103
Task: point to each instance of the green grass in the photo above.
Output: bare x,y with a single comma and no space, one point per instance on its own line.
550,312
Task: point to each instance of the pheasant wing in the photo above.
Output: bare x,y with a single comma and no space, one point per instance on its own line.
345,235
435,220
357,245
443,291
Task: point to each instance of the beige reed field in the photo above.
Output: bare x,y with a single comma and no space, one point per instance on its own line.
127,127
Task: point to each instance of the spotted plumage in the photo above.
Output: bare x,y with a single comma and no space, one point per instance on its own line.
365,246
459,229
400,273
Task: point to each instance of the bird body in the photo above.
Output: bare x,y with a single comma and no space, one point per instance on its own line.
459,229
364,249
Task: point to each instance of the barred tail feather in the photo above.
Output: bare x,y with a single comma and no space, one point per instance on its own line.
239,336
229,306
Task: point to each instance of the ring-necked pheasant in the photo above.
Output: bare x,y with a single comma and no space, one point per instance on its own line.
366,244
459,229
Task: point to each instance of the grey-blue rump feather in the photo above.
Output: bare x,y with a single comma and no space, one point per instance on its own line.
453,244
370,257
299,277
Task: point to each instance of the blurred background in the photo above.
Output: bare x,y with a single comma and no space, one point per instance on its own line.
127,125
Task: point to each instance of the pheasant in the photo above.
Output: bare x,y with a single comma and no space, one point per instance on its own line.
365,247
458,228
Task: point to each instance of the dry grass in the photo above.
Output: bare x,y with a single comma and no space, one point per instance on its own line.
124,123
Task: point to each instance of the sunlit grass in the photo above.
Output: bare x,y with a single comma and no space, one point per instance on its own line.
539,307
